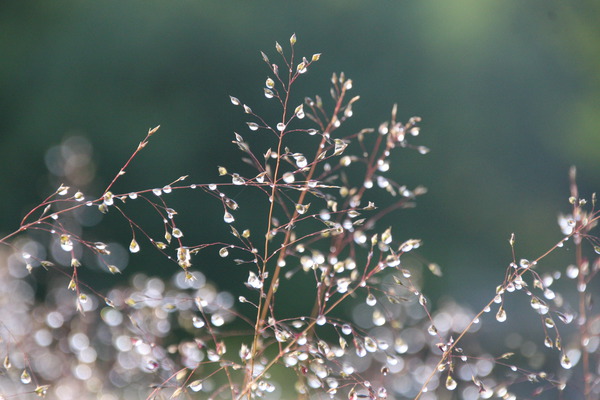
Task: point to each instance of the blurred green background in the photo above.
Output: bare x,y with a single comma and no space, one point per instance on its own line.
509,93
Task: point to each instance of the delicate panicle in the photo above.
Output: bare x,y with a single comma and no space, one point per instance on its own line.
368,330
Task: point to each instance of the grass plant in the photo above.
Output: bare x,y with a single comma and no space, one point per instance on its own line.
313,187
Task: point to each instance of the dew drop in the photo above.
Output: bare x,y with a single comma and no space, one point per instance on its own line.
288,177
108,199
177,233
302,208
370,344
134,247
565,318
360,350
253,281
301,161
321,320
450,383
217,320
198,322
565,362
223,252
62,190
228,218
157,192
346,329
195,386
371,300
501,315
65,243
299,111
25,377
260,178
236,179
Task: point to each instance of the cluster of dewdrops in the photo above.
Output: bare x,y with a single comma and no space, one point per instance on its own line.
408,347
115,349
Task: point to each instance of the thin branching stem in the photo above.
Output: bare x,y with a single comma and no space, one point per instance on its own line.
448,352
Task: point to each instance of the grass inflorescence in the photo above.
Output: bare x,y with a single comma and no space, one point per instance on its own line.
183,337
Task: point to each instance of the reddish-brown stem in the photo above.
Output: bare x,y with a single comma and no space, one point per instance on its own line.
142,144
248,385
300,201
265,305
